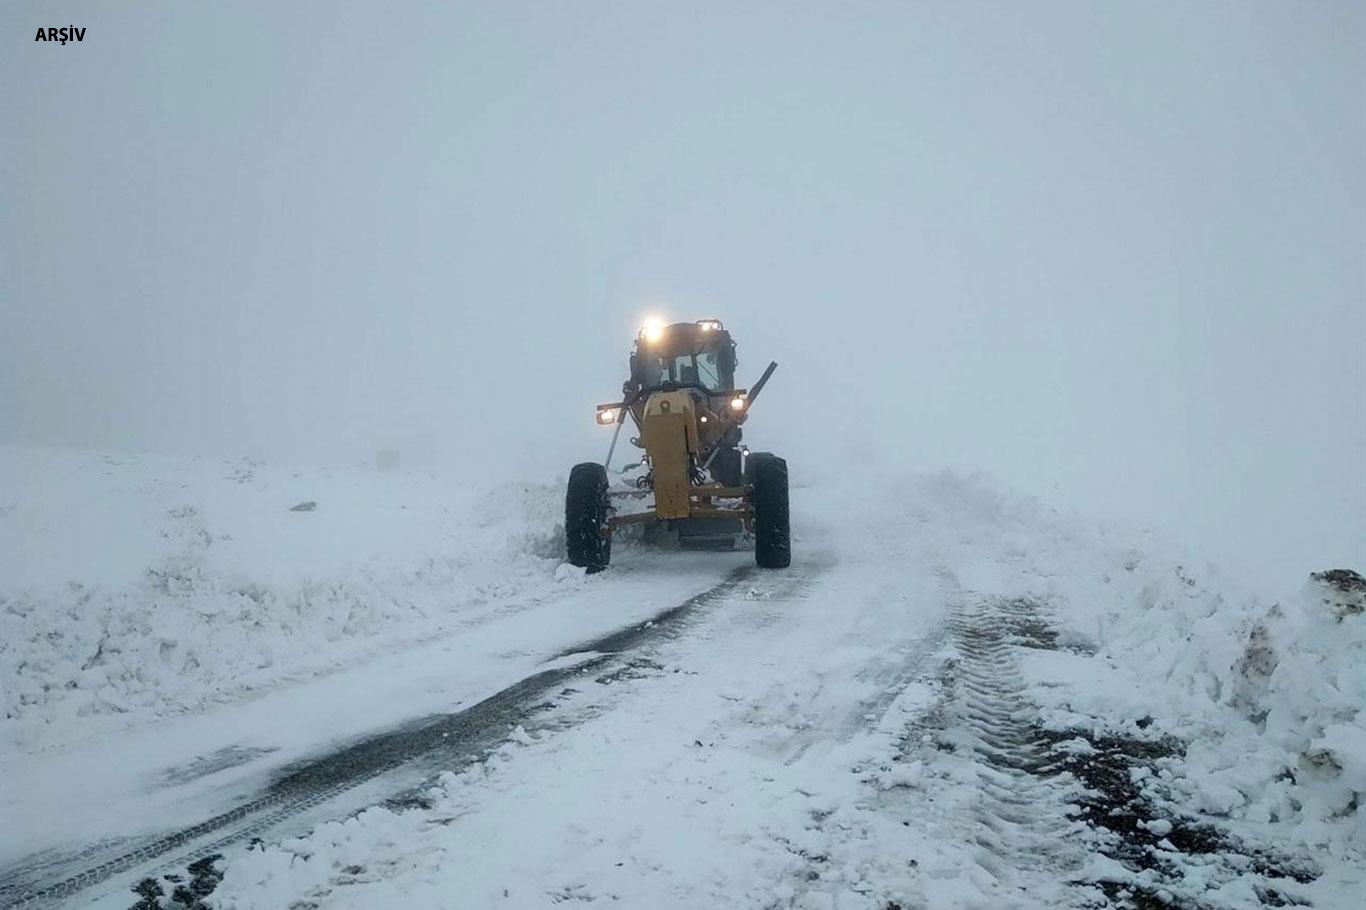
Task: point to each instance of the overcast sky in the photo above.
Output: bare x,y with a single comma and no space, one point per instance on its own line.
1112,254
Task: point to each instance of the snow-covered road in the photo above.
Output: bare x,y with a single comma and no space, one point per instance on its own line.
952,699
754,671
133,790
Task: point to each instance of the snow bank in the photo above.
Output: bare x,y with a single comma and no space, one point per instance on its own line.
138,584
1268,694
1267,688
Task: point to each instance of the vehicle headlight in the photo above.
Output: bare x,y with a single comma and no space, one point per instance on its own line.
607,417
652,330
737,404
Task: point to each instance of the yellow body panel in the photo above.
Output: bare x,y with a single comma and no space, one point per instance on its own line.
670,437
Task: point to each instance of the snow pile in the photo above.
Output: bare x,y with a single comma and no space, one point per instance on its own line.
1267,691
1302,682
360,854
139,584
1267,695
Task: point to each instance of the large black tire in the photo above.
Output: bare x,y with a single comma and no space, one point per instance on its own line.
586,540
751,460
772,528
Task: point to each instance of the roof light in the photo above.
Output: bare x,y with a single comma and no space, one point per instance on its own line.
652,330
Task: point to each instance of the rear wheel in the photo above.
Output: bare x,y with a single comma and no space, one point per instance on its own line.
772,528
586,538
752,459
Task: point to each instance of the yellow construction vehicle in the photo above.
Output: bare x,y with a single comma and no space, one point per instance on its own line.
695,480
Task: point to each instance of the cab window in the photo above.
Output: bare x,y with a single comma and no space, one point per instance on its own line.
700,369
708,370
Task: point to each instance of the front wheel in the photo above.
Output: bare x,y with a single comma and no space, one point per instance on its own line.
772,528
587,541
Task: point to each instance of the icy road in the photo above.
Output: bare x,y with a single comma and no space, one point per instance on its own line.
958,700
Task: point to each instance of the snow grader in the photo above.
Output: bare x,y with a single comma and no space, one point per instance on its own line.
695,481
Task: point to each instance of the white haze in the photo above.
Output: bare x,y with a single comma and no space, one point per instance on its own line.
1113,255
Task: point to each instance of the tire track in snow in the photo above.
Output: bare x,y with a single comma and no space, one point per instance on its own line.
1020,813
455,739
1025,816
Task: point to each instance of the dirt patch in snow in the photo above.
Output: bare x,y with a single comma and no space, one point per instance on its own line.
1344,591
187,892
1118,774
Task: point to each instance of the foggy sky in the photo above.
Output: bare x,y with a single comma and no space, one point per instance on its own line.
1113,255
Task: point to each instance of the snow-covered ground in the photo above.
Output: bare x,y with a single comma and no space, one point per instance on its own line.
955,698
134,586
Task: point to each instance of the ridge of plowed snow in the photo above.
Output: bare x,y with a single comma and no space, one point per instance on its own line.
133,586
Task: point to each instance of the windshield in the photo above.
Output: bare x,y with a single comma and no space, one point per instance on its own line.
701,368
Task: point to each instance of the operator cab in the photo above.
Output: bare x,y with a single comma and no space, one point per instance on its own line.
698,355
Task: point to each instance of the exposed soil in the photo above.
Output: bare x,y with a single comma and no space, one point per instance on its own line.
1145,837
187,892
